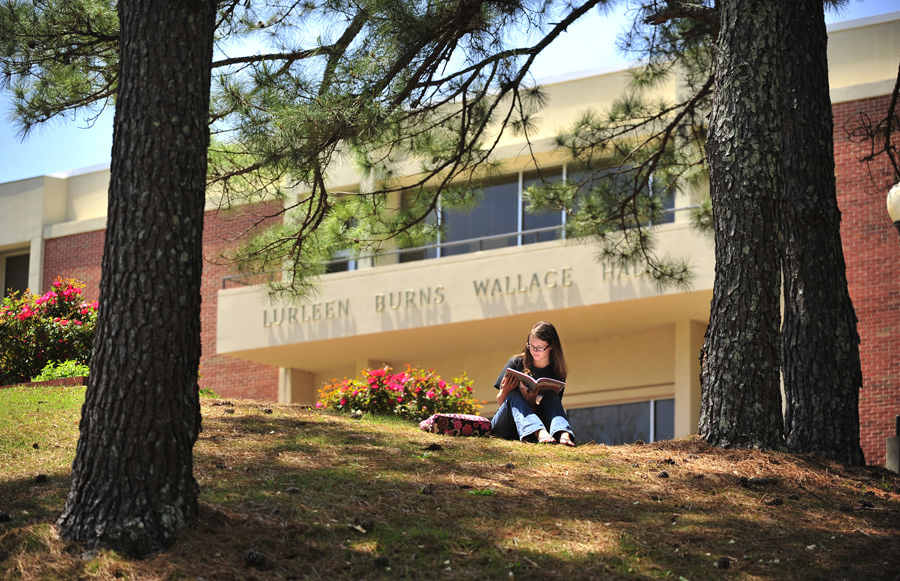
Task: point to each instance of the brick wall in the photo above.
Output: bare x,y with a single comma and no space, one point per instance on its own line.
227,376
79,256
872,251
67,381
76,256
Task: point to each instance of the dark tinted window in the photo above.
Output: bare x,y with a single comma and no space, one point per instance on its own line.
423,253
338,265
16,279
612,424
617,183
495,217
664,419
668,202
532,221
624,423
497,214
413,255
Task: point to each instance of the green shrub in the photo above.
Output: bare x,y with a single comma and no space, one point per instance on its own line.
69,368
36,330
414,394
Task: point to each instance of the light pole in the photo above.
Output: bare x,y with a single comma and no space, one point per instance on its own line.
893,205
893,444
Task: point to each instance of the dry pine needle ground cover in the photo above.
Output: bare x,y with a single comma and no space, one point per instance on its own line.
292,493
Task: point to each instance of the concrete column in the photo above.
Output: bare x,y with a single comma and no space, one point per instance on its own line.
296,386
36,266
893,455
893,448
364,363
688,341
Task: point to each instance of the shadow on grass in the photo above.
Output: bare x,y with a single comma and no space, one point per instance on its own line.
328,497
32,500
369,494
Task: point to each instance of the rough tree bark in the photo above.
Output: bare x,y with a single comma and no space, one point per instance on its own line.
132,479
820,343
741,398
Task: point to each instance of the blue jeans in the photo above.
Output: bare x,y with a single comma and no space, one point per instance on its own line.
515,419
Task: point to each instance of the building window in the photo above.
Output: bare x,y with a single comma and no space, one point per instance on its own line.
15,274
502,219
545,220
667,197
497,215
428,250
614,183
340,262
343,260
648,421
420,254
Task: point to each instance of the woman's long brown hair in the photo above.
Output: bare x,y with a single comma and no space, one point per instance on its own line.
546,332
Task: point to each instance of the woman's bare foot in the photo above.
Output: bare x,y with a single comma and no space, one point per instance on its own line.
544,437
565,438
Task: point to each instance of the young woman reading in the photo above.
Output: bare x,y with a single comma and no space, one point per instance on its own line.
523,414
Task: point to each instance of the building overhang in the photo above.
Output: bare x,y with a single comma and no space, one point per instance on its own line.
464,304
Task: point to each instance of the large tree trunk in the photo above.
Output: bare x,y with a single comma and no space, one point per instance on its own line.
741,397
132,479
820,344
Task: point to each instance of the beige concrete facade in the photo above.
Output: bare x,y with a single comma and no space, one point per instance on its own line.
623,337
862,57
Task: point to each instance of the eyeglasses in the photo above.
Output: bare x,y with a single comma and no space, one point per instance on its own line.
536,348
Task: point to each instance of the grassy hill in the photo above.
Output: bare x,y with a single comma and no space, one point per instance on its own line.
323,496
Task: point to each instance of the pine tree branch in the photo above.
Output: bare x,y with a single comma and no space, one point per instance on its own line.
285,56
678,9
532,52
878,139
241,171
338,49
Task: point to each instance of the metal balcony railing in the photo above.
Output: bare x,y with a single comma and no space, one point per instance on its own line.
441,250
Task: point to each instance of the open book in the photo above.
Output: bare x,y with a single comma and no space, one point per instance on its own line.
530,384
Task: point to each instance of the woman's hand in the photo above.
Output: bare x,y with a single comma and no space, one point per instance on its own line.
508,384
530,397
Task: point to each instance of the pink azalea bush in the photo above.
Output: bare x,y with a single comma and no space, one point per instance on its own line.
36,330
414,394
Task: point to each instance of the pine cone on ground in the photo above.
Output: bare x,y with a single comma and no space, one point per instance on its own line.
254,558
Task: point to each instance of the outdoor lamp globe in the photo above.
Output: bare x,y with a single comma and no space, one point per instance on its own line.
893,205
